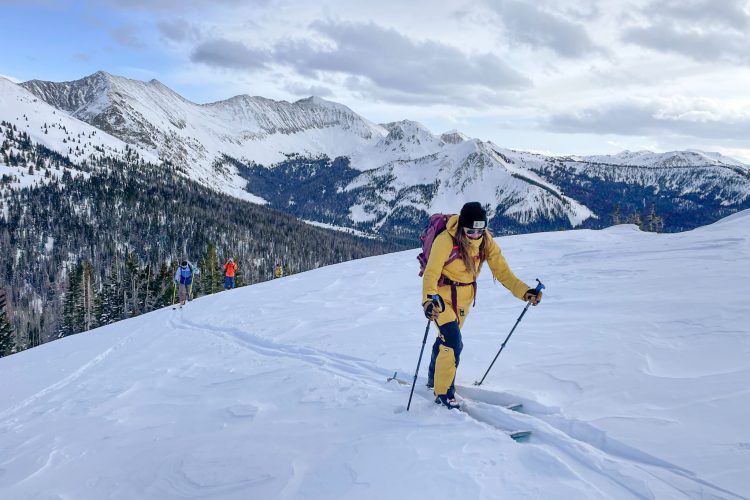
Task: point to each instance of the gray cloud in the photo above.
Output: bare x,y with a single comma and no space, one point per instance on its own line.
396,63
229,54
178,30
726,13
584,10
528,24
454,95
700,46
702,30
642,119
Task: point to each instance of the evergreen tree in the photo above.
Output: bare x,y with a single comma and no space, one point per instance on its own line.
239,275
7,339
635,218
132,286
146,297
616,215
212,275
164,286
85,315
110,306
72,301
654,223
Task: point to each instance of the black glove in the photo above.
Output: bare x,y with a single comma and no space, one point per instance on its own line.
532,296
430,311
433,308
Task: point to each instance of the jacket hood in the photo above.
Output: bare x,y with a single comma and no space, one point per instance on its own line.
452,226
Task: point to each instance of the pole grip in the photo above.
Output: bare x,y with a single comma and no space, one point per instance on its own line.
540,286
438,301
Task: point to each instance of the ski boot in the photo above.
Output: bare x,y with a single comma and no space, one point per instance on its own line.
448,402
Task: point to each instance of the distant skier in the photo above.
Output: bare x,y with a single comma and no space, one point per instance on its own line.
279,273
230,268
454,262
183,277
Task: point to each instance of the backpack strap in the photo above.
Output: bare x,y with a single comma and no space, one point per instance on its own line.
455,253
443,281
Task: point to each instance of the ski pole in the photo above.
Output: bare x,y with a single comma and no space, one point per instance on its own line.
436,301
538,289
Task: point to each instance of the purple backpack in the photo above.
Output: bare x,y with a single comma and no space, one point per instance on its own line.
437,225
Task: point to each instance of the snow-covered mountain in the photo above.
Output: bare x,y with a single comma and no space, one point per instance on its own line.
669,159
396,172
633,374
461,167
195,137
60,131
252,129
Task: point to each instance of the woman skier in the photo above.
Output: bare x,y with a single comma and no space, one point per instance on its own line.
455,259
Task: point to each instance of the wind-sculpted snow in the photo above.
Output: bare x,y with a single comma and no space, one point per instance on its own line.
632,373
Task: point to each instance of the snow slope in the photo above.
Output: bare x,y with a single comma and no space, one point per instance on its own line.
633,373
32,115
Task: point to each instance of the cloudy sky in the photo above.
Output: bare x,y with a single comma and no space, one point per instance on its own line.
577,76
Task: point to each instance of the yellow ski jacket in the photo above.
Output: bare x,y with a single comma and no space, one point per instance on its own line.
456,271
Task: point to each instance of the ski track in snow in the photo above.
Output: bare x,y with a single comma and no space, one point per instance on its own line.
591,448
600,459
77,374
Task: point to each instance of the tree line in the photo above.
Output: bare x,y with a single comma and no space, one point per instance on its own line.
84,249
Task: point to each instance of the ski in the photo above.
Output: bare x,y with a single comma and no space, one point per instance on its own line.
520,435
400,381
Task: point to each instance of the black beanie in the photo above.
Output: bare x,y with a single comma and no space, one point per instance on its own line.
473,216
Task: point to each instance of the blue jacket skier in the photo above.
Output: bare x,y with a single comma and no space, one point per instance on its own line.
183,277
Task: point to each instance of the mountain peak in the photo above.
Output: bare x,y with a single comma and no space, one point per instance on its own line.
454,137
408,130
318,101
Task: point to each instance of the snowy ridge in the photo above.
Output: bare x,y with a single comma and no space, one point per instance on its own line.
291,400
253,129
266,117
57,131
195,137
670,159
406,169
468,170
